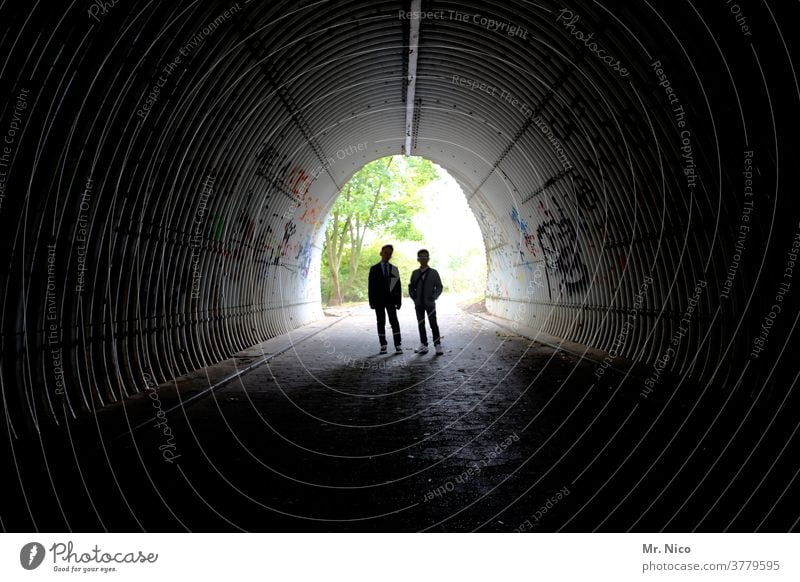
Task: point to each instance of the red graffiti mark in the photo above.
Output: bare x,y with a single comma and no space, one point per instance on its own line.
299,182
529,243
546,210
310,206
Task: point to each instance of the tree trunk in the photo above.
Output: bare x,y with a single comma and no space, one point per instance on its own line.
334,245
344,230
335,297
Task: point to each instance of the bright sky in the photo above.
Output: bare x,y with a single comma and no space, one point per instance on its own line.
450,228
447,222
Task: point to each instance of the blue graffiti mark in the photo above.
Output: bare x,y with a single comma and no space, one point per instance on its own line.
527,237
305,252
518,219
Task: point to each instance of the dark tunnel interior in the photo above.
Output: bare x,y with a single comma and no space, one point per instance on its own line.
166,171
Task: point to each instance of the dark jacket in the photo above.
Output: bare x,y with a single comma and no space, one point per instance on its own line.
380,294
424,293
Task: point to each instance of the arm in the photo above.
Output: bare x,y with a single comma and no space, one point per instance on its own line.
412,287
370,287
437,286
398,292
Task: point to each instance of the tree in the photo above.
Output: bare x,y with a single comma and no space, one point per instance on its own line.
382,198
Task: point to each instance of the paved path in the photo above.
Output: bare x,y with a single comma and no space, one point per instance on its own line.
501,433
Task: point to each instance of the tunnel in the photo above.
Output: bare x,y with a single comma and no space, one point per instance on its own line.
165,177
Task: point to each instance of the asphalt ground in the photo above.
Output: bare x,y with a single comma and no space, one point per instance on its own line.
316,431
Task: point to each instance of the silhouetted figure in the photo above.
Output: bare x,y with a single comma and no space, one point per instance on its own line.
385,297
425,288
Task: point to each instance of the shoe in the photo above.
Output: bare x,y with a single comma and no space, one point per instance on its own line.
398,349
383,349
439,349
421,350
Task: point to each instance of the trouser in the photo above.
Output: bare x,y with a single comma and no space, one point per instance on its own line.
381,315
431,311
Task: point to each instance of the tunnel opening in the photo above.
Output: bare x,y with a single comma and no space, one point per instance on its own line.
410,207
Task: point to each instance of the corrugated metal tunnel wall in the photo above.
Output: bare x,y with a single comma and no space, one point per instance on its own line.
168,168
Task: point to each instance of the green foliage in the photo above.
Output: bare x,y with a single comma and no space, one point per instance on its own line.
356,292
380,200
466,271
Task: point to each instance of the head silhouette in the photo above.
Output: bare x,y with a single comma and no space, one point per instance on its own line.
423,257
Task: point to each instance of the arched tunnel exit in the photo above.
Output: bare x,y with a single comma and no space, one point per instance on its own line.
167,170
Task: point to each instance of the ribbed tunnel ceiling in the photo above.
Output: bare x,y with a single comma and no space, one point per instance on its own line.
173,164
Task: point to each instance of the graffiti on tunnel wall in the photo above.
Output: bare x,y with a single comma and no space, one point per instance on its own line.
288,231
527,237
585,194
271,165
309,210
557,238
271,240
488,223
281,174
559,242
557,235
304,255
299,182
